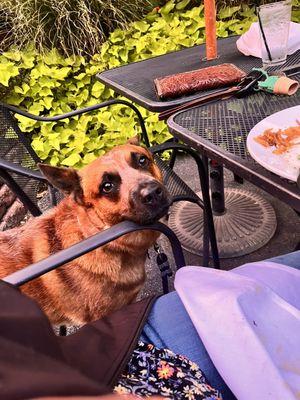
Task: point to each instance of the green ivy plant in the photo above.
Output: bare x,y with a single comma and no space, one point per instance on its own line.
50,84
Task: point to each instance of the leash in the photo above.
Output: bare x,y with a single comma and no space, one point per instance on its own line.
164,267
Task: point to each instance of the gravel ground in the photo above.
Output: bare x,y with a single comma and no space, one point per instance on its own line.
285,240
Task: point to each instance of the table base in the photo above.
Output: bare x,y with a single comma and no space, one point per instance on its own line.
248,223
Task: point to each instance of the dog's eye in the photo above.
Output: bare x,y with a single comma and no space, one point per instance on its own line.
107,187
143,161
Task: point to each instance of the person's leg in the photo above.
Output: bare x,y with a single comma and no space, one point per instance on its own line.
169,326
291,259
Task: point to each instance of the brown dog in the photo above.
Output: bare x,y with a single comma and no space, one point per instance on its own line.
125,184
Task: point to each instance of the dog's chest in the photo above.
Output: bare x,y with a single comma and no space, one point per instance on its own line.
89,295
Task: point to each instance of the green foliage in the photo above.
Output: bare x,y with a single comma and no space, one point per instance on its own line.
51,84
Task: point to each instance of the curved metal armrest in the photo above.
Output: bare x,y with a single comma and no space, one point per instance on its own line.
9,166
56,260
160,148
82,111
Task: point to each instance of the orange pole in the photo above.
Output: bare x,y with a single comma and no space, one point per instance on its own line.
210,29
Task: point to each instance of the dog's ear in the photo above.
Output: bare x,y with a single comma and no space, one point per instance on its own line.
135,140
65,179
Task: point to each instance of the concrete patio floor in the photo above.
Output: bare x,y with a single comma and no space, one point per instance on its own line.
285,239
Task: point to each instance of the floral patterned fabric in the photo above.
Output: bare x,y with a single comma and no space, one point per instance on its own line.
152,371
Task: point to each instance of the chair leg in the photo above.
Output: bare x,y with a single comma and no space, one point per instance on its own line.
209,222
173,156
22,196
205,226
202,171
238,179
205,261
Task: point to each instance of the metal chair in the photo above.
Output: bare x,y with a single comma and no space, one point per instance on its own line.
62,257
18,168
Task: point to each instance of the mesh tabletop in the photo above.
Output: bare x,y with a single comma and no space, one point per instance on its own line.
220,131
136,80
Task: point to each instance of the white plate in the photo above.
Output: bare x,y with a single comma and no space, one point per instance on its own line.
287,164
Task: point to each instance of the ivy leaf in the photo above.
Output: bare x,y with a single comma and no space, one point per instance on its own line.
60,73
123,54
13,55
167,8
55,142
227,12
97,89
45,91
38,145
141,26
22,90
248,12
182,4
192,28
47,102
7,71
54,160
14,99
71,160
88,158
47,81
53,58
296,16
221,29
28,59
141,44
104,48
36,108
159,25
117,36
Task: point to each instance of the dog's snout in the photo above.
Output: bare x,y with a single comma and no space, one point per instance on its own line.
151,194
150,201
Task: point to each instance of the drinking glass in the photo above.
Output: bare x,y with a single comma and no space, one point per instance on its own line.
274,22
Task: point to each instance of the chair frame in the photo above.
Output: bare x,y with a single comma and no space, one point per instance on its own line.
62,257
205,204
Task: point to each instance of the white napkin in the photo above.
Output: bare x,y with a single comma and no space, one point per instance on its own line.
249,322
250,45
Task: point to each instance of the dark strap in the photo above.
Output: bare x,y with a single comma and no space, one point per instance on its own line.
164,267
199,101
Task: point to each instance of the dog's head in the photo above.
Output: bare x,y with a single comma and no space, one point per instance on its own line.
124,184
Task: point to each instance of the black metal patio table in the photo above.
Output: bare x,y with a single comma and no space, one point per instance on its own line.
219,131
136,82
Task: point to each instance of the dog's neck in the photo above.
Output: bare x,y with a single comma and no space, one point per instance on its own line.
88,221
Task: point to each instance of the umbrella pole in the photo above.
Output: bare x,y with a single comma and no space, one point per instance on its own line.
210,29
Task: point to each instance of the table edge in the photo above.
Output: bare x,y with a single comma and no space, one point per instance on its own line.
232,163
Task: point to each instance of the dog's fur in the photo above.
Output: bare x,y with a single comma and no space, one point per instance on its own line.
107,278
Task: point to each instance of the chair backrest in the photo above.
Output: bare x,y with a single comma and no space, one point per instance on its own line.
15,147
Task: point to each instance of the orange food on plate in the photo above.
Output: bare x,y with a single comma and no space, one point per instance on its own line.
283,139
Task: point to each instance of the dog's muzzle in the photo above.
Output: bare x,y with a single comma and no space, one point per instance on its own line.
151,201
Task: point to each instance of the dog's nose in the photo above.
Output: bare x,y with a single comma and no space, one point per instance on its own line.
151,194
149,201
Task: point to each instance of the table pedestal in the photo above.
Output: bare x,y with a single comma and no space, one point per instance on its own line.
246,224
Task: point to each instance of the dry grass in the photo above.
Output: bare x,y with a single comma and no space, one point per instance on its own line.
73,26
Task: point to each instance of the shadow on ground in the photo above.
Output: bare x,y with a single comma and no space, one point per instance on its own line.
285,240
